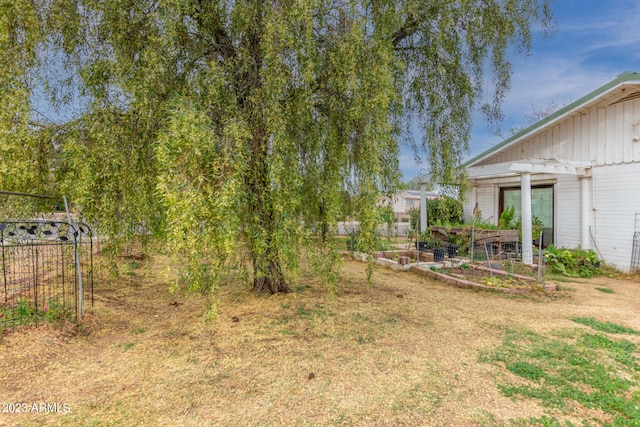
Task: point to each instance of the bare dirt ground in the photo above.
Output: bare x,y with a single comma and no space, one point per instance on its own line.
404,352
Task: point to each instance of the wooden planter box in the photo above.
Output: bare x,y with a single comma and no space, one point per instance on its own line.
481,235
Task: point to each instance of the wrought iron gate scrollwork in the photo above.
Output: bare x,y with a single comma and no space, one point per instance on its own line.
19,231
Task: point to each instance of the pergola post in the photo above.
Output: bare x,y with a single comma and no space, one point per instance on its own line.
527,217
423,208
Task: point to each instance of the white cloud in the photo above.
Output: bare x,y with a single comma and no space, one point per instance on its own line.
588,50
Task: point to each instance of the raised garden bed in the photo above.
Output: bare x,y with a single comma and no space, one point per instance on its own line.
481,235
479,276
458,272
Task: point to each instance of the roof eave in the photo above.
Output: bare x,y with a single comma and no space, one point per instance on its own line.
626,78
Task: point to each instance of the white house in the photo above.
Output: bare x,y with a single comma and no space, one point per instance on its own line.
577,170
404,200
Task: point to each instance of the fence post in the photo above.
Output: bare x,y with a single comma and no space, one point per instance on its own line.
473,235
540,257
77,257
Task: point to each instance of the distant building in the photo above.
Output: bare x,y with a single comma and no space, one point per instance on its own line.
407,199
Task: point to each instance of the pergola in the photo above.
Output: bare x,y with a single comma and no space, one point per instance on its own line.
525,169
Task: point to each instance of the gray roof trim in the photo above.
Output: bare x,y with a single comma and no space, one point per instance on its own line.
628,77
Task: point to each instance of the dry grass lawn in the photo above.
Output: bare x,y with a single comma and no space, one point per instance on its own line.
404,352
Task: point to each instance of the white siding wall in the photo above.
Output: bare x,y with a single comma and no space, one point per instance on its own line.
616,199
487,198
602,134
487,202
567,212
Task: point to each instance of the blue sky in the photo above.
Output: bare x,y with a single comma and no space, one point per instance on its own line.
593,42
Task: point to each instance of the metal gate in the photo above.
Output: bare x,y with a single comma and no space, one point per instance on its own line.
635,253
46,269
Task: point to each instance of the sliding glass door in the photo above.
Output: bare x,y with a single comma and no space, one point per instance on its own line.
541,207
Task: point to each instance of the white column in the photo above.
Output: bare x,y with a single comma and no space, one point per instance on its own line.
423,208
525,209
585,222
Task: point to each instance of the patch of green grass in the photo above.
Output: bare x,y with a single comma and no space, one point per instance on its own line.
547,422
137,331
606,290
571,371
526,370
620,351
608,327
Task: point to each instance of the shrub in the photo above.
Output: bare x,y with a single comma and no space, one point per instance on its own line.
444,210
506,219
572,262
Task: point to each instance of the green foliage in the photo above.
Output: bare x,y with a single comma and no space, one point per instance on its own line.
414,222
236,131
435,243
387,216
593,372
506,219
548,422
444,210
25,149
458,239
485,224
572,262
425,236
56,310
24,312
537,227
526,370
327,261
609,327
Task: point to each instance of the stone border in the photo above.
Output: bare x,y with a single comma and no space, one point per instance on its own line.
424,269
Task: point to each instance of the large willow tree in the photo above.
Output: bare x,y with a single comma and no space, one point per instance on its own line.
251,127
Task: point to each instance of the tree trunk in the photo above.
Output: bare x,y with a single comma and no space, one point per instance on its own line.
268,277
267,269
